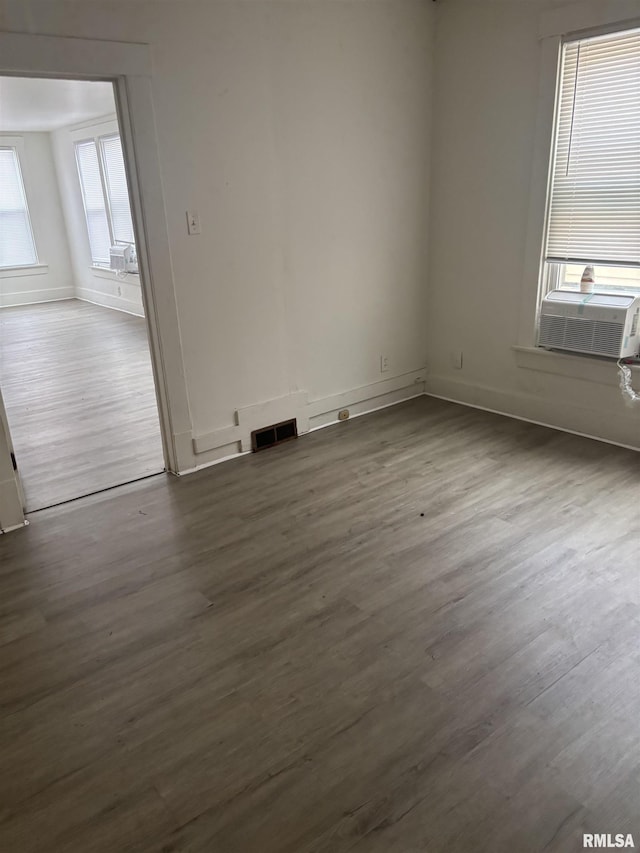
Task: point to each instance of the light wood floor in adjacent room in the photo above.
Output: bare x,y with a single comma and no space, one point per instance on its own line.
78,388
414,632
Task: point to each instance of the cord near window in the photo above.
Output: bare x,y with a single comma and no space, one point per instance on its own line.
630,396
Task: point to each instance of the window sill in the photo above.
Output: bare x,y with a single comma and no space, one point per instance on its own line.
16,272
591,368
105,272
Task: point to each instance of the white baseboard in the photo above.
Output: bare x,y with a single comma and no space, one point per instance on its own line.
225,455
183,452
599,424
31,297
371,404
14,527
309,414
377,395
107,300
367,408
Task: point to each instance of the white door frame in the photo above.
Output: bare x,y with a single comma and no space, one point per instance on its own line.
128,67
11,496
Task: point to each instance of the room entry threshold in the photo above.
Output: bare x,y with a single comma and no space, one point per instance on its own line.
96,492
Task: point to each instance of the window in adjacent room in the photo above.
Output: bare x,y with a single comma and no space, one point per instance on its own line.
594,205
106,198
17,247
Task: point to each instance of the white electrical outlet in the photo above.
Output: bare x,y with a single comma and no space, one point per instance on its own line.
456,359
193,222
384,364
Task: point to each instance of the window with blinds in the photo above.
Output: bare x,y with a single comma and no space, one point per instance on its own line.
17,247
105,194
117,191
594,209
95,207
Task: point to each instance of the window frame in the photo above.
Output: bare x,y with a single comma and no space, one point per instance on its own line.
16,144
553,272
76,144
96,140
556,26
106,186
554,277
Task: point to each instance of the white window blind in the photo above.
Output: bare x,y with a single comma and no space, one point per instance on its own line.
16,239
116,180
594,213
94,202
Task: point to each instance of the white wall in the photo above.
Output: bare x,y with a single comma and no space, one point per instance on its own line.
488,59
53,279
101,287
300,132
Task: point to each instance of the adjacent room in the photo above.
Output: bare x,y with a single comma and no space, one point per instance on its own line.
75,369
381,592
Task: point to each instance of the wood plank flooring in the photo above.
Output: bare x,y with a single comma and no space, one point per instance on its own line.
414,631
78,388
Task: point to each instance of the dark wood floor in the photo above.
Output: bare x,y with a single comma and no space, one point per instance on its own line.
78,388
414,631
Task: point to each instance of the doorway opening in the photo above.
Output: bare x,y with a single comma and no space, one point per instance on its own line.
76,371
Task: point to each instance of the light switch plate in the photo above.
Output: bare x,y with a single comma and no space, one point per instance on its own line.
193,222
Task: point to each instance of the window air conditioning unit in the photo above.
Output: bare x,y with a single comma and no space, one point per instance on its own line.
596,323
121,258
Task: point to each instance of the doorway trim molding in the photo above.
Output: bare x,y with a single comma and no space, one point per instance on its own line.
128,66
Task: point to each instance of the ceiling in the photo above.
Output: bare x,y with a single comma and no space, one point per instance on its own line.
32,104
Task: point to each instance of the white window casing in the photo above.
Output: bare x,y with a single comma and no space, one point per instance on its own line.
594,204
117,190
94,203
105,195
17,246
559,26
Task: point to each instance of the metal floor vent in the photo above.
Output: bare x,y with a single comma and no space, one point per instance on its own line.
275,434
